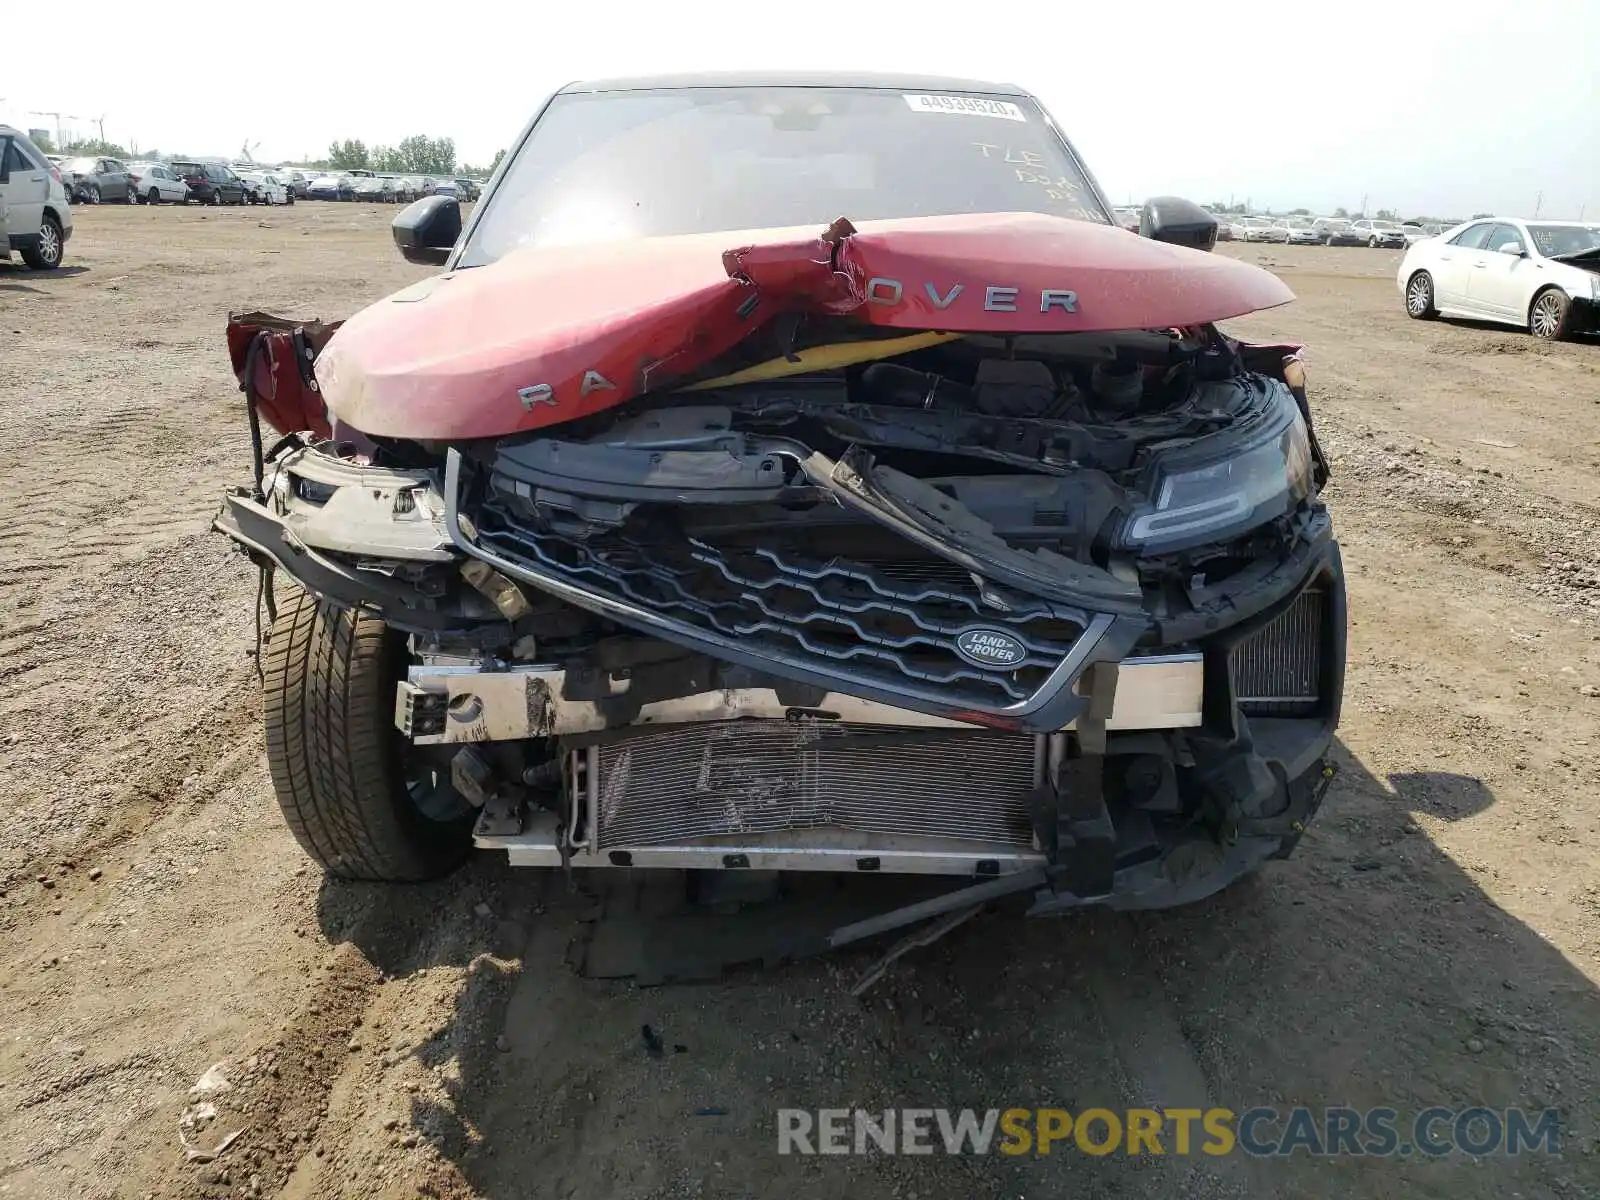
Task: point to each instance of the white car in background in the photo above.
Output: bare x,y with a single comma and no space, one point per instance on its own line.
157,183
1258,229
1420,233
1376,233
275,189
1541,275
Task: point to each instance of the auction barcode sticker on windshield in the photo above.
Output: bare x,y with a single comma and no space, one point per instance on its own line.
971,106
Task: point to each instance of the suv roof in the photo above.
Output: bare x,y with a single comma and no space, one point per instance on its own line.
817,79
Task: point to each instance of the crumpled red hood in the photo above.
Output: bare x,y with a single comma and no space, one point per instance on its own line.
551,334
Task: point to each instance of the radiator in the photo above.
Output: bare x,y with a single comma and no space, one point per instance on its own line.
1277,671
732,778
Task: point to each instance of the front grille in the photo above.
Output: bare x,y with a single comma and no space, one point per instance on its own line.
891,623
1277,671
731,778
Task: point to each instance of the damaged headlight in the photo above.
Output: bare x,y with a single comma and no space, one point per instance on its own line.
1198,495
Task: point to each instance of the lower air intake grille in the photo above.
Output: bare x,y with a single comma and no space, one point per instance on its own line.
736,778
1277,672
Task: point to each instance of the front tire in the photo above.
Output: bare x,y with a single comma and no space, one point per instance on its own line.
154,198
358,797
1419,297
1550,315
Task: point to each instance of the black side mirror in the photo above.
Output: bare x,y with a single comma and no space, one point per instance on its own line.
1181,222
426,229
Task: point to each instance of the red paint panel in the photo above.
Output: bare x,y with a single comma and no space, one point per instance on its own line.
545,336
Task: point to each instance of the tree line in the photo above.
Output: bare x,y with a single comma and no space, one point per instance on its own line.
416,155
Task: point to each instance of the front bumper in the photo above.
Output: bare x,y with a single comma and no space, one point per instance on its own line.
1241,702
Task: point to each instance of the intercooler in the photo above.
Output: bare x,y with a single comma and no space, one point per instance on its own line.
1277,671
744,779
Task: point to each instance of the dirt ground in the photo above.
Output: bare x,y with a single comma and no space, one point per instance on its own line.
1435,940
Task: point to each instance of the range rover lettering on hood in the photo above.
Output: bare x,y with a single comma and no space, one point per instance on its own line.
522,343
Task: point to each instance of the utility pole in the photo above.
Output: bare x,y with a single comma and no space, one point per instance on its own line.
1538,203
1363,204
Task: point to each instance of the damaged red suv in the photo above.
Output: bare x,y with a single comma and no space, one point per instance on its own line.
798,474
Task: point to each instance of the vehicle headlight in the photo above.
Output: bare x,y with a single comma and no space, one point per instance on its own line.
1198,496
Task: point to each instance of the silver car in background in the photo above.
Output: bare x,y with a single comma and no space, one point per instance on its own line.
157,183
38,217
1379,232
1299,231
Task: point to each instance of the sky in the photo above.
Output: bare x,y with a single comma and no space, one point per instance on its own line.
1437,109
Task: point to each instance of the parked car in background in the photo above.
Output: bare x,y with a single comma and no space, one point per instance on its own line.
1224,228
298,182
156,183
266,188
252,185
1258,229
1420,232
1376,233
210,183
441,187
374,189
38,217
1541,275
1300,231
1336,231
467,189
332,187
407,188
92,180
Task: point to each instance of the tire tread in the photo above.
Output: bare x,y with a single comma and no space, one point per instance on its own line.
329,694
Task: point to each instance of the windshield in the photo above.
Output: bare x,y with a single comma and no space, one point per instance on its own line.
1556,240
618,165
83,165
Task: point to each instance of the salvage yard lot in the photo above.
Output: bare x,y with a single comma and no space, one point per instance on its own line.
1435,940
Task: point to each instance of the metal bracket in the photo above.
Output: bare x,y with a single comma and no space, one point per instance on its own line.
927,935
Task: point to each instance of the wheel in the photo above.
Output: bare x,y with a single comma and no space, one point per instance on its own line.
91,194
358,797
1419,297
129,194
1550,315
1372,243
216,198
46,255
153,198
